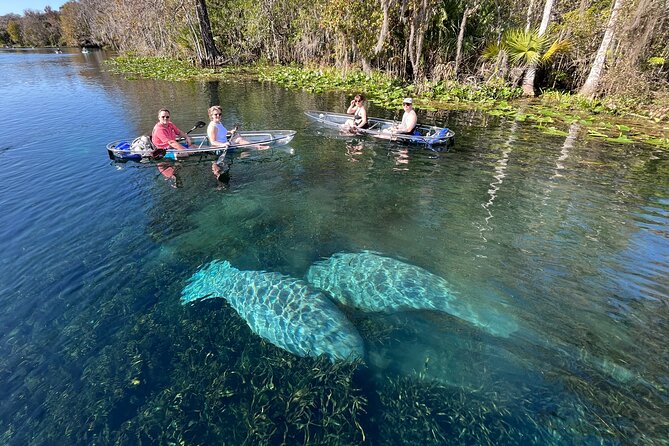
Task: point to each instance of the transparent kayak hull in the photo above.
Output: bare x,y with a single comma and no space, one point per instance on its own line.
380,128
121,150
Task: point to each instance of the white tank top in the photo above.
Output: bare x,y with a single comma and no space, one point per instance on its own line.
221,133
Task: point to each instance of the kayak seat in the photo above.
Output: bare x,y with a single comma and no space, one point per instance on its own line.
123,145
441,134
419,137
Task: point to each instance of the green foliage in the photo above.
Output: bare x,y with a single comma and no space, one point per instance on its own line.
557,110
14,31
358,23
656,60
154,68
569,101
526,48
75,31
495,90
384,90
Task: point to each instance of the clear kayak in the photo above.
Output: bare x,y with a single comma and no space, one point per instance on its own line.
138,150
380,128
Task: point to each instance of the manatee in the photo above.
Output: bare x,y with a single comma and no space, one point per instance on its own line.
373,283
286,312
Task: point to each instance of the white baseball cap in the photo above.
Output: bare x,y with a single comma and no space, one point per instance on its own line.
407,101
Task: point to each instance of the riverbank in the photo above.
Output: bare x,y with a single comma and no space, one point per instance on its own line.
617,120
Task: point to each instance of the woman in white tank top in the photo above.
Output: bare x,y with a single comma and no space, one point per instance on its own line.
216,131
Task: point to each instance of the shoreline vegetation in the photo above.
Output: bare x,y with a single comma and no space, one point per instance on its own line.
602,64
614,119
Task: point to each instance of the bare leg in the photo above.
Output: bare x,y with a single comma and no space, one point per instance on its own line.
238,140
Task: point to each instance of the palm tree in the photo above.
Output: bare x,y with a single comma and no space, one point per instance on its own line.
530,73
527,49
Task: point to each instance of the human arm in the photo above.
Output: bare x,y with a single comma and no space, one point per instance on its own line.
408,123
352,107
164,137
185,136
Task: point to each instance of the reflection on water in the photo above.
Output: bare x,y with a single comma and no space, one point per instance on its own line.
564,236
354,150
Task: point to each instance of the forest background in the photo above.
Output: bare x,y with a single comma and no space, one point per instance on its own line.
613,51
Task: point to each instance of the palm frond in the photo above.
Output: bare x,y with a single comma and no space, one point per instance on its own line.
524,47
492,50
558,46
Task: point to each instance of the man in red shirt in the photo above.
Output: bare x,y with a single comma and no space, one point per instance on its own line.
165,133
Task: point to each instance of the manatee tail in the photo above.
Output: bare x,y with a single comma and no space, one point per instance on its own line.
209,281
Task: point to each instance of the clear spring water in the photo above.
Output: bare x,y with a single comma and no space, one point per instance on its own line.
568,235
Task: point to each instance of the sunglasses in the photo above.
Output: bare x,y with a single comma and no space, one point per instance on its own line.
166,117
405,104
215,114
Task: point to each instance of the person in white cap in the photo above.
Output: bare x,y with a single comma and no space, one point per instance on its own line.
409,119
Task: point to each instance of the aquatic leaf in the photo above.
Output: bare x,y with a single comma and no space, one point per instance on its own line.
496,113
597,134
554,131
541,119
659,142
620,139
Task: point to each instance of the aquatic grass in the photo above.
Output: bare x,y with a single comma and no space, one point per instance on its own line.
433,414
163,68
542,114
193,375
382,89
169,374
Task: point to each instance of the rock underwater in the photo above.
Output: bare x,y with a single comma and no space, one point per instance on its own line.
375,283
286,312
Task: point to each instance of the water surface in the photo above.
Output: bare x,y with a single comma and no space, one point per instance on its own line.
566,235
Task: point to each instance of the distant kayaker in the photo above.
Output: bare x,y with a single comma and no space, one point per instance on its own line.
165,133
409,119
359,111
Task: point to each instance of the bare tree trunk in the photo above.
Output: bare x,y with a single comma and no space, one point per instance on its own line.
199,53
209,47
461,36
589,88
528,23
528,80
385,5
418,26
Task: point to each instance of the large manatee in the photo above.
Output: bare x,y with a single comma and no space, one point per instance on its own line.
286,312
374,283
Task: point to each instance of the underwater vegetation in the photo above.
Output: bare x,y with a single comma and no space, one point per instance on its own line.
286,312
196,374
374,283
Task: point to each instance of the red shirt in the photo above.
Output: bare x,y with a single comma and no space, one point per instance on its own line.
162,134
